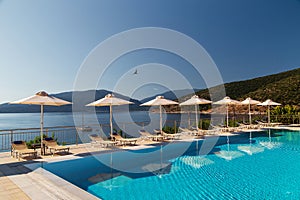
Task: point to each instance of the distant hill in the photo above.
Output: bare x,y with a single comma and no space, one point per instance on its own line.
82,98
172,95
282,87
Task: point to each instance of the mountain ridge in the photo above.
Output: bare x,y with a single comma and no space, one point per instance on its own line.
85,97
282,87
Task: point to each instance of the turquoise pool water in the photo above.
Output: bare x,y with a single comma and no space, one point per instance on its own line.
266,166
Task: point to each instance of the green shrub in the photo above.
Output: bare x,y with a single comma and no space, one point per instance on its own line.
233,123
36,140
120,132
204,124
168,129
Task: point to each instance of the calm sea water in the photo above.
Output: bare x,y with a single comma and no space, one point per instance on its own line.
32,120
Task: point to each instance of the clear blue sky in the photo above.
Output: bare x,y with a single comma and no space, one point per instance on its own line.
43,43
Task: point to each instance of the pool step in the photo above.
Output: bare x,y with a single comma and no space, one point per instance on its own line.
41,184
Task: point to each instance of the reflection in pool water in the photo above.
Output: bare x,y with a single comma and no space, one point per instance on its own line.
253,172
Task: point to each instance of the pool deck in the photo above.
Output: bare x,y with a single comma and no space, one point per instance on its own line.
26,179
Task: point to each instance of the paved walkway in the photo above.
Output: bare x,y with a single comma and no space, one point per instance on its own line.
20,182
9,190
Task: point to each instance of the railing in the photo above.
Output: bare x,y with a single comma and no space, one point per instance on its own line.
287,119
63,134
284,119
70,135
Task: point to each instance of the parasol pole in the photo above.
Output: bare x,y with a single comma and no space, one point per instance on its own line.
249,113
227,115
42,126
196,112
160,119
110,120
269,115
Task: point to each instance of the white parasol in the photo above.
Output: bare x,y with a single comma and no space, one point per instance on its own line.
42,99
227,101
195,100
269,103
159,101
250,102
110,100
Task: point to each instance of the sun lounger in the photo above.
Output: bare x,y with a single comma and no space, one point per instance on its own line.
124,141
211,132
194,132
157,131
262,124
220,128
19,148
273,124
243,126
186,130
96,139
53,146
150,136
169,136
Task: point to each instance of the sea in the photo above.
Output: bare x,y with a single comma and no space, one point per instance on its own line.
128,122
53,119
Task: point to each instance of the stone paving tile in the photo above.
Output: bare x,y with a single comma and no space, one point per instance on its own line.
8,190
12,170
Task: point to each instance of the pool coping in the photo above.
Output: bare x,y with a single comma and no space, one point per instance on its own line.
42,184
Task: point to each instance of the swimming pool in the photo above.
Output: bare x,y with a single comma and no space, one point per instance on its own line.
268,167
